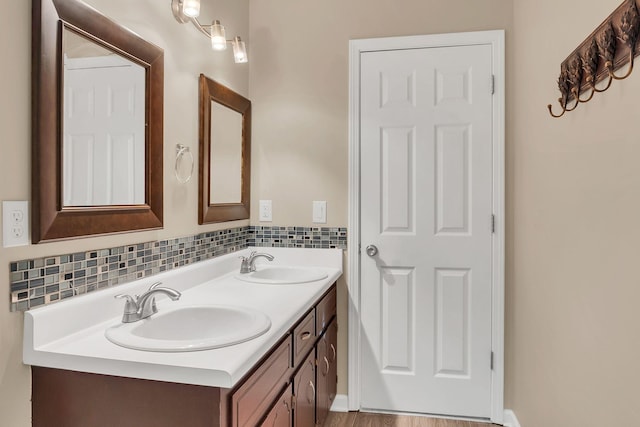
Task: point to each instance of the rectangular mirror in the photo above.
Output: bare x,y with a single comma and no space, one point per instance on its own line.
225,153
97,148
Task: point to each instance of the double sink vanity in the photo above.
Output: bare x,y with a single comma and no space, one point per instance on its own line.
223,349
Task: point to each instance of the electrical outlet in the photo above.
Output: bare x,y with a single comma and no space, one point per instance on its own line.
15,223
266,211
17,216
17,231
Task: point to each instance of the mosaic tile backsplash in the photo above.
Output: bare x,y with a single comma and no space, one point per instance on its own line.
298,237
47,280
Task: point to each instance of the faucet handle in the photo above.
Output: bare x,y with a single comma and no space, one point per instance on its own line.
244,265
130,306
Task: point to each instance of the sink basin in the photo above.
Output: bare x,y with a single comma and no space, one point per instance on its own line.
279,275
191,328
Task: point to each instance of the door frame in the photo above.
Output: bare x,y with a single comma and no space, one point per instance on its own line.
495,39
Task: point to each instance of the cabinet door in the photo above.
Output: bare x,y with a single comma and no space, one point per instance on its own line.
327,372
323,369
332,350
251,401
304,389
281,414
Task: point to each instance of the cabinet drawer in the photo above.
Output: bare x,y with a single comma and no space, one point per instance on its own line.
250,402
325,310
304,336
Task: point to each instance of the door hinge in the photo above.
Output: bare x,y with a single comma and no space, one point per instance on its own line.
492,360
359,248
293,402
493,223
492,84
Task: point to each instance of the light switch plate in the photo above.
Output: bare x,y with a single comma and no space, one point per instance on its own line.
266,211
320,212
15,223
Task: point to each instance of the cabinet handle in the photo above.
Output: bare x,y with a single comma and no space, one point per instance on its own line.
313,389
333,348
326,362
305,336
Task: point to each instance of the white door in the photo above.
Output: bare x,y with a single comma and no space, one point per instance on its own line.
426,205
104,132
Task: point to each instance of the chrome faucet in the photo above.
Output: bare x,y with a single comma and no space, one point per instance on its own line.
142,306
248,263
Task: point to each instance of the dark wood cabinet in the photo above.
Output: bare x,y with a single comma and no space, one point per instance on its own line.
281,415
253,398
294,384
304,393
332,378
304,337
326,372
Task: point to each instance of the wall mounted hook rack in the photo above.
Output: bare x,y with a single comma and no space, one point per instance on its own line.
592,66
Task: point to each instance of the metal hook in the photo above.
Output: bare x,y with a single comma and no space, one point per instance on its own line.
576,95
590,60
564,109
630,29
593,91
564,87
613,75
607,86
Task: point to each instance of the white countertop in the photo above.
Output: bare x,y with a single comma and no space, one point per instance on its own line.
70,334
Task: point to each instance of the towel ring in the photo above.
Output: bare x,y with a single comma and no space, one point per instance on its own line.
180,151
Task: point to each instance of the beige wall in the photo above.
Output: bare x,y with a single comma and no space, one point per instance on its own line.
573,186
574,241
187,54
299,89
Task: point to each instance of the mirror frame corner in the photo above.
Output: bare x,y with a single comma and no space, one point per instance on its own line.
50,219
208,213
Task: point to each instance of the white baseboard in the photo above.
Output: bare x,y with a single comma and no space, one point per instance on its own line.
340,403
510,419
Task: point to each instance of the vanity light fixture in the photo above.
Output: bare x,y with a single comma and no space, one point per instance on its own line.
218,36
191,8
188,10
239,50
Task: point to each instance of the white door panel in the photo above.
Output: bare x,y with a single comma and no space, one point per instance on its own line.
104,132
426,203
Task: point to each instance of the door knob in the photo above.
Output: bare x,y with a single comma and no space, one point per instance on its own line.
372,250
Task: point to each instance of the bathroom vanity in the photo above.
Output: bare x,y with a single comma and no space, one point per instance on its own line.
285,377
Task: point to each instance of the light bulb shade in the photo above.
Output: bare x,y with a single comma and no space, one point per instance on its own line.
191,8
239,51
218,36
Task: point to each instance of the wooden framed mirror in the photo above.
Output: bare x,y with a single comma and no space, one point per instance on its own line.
93,175
225,153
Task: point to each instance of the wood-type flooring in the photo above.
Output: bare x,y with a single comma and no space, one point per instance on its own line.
363,419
